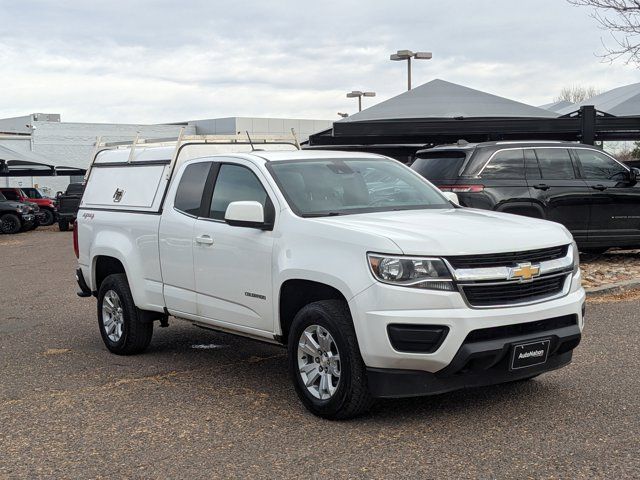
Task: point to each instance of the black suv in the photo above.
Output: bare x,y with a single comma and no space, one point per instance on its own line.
15,216
588,191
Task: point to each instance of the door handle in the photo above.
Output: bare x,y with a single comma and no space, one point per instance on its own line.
599,187
204,240
542,186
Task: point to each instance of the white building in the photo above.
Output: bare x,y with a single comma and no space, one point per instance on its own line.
72,143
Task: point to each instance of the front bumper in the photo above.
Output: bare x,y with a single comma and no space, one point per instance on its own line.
380,305
476,364
28,219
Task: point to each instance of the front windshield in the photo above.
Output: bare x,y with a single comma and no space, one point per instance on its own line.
344,186
34,193
2,197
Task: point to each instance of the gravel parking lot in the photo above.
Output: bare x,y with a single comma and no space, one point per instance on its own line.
206,405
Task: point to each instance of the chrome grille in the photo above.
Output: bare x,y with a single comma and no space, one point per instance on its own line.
509,258
513,278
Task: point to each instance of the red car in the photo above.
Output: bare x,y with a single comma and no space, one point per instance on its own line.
48,209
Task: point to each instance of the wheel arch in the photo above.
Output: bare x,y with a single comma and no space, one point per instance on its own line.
522,207
295,293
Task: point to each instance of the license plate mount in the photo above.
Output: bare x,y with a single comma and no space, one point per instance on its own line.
530,354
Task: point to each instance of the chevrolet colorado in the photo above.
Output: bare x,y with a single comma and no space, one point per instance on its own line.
375,282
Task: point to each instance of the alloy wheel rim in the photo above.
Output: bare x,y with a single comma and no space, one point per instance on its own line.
112,316
8,224
319,362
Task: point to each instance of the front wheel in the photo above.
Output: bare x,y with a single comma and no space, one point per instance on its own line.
325,362
48,217
122,329
10,223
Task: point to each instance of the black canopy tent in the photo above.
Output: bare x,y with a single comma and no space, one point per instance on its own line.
29,164
21,168
440,112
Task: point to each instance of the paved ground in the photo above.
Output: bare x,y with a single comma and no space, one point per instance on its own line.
69,409
612,267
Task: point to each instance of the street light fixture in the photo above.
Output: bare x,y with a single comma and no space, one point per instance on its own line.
408,55
358,94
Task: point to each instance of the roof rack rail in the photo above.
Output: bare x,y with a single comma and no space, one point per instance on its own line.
170,141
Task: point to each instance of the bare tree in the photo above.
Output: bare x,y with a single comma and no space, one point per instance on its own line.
576,93
621,18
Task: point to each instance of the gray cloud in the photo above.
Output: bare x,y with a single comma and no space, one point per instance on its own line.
161,61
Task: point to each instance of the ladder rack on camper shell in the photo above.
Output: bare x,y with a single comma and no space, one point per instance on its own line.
253,141
134,176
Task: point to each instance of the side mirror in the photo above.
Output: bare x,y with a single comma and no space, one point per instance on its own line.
58,194
452,197
634,175
246,214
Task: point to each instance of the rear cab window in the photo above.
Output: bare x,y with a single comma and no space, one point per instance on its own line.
75,189
190,192
441,164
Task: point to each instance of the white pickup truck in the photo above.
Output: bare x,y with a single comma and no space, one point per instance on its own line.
376,283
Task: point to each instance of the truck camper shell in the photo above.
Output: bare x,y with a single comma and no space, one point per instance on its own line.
134,176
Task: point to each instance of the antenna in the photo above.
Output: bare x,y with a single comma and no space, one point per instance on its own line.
295,138
250,141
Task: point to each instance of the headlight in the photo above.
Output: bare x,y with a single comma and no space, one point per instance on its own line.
415,272
576,257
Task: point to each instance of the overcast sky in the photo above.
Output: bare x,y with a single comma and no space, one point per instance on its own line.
163,61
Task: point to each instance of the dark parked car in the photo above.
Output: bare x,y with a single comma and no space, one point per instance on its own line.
68,204
43,215
15,216
47,205
588,191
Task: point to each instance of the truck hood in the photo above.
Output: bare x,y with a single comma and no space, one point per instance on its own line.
456,231
11,204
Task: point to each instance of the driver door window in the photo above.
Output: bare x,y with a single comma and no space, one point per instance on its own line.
235,183
597,166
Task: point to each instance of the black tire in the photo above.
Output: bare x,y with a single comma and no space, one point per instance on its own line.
136,334
352,397
10,223
49,217
63,224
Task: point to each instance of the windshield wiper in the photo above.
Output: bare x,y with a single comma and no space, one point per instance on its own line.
324,214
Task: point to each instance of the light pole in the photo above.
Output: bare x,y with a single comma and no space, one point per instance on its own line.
358,94
408,55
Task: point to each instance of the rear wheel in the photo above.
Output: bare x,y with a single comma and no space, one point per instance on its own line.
63,224
10,223
325,363
122,329
48,217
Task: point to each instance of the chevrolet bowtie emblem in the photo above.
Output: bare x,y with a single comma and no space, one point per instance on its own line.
524,271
